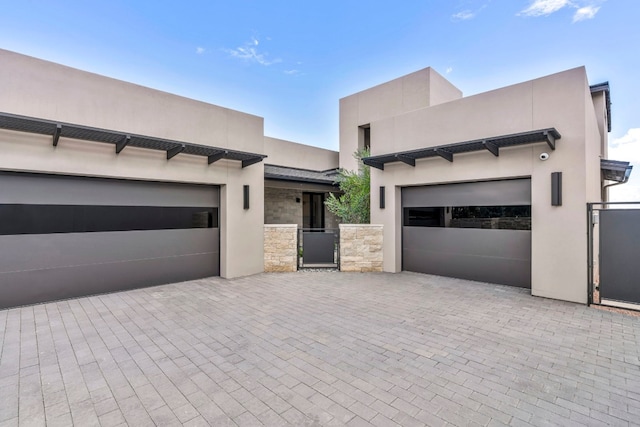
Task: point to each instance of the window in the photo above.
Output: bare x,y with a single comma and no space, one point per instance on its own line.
312,210
486,217
424,217
364,137
48,219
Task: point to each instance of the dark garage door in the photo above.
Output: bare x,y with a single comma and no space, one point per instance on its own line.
63,237
477,231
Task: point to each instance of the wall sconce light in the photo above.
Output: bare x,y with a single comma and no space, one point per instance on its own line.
556,188
381,197
246,196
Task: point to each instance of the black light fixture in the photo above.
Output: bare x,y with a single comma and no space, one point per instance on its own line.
382,197
556,188
246,196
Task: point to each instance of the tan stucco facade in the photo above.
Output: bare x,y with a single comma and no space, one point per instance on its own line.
41,89
292,154
412,92
416,111
562,101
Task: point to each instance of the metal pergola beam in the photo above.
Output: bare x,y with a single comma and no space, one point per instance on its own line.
551,140
56,135
172,152
120,145
447,151
251,161
217,156
491,147
373,163
121,139
447,155
407,160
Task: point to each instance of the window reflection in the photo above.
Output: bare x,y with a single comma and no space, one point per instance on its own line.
47,219
485,217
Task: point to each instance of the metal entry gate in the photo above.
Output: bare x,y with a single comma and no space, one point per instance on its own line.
614,231
318,247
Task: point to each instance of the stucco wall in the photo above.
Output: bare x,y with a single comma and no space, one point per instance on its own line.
361,247
295,155
280,248
42,89
558,232
414,91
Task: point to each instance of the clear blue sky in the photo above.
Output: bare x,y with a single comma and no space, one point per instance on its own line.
290,62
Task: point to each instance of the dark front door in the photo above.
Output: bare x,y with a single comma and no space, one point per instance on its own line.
312,210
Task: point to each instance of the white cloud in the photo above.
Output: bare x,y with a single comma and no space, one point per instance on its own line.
463,16
627,148
585,9
292,72
587,12
449,70
249,52
544,7
466,14
200,50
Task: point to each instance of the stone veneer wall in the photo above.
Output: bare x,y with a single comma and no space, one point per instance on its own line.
360,247
280,206
280,247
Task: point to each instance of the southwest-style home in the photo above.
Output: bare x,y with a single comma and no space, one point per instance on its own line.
108,185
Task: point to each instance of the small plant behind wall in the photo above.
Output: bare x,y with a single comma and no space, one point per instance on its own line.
352,206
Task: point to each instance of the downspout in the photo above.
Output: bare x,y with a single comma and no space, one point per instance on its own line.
589,254
624,181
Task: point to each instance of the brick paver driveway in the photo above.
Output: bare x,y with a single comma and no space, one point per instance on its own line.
319,349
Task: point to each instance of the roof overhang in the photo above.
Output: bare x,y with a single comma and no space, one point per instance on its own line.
604,87
447,152
284,173
120,139
614,170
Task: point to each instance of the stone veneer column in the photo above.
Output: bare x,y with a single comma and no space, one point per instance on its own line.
280,247
360,247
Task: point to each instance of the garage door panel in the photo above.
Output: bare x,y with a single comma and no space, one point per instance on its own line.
476,230
38,251
18,288
507,271
22,188
489,193
63,237
511,244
